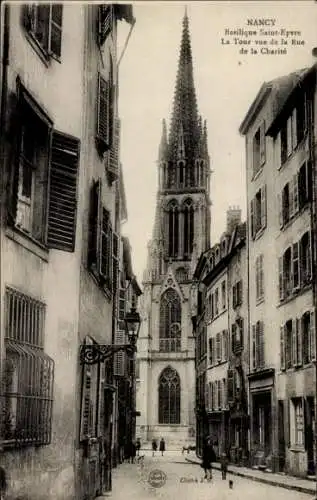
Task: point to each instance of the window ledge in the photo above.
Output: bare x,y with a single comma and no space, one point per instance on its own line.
259,172
28,242
288,159
41,52
295,294
259,301
295,216
259,233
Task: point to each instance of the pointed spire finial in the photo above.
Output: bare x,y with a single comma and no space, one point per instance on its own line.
163,145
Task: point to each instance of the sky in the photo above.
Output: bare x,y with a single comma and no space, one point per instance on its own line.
226,83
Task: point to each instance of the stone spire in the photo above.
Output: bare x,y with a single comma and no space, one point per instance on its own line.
163,149
185,114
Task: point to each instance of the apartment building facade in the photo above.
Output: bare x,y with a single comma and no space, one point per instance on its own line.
278,129
59,240
222,342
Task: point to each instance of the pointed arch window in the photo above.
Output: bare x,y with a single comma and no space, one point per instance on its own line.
170,322
173,228
169,393
188,233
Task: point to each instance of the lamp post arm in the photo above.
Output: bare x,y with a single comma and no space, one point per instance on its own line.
96,353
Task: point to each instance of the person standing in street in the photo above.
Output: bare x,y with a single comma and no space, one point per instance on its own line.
208,456
162,446
138,446
224,465
154,446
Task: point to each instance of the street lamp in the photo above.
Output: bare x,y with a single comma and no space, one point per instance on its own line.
132,323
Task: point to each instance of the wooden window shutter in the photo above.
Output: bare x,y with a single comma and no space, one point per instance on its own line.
62,207
289,135
105,22
295,193
252,218
115,261
114,153
263,207
261,345
218,348
262,143
233,337
299,343
94,224
278,150
103,113
280,210
312,336
105,248
281,278
230,387
119,357
86,411
294,343
294,128
56,29
210,351
282,347
213,350
287,427
291,197
295,266
254,364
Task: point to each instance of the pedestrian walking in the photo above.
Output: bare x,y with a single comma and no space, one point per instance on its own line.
224,465
138,446
208,456
162,446
154,447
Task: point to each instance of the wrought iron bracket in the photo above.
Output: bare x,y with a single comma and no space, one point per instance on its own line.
98,353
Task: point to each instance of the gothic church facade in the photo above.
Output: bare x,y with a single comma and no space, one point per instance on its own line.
166,347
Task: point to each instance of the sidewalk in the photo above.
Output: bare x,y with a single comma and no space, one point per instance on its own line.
274,479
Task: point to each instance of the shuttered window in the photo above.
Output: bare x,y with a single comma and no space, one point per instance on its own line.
114,153
120,357
282,348
230,387
105,22
44,24
103,113
63,192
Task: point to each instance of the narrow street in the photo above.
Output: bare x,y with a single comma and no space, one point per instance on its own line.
183,481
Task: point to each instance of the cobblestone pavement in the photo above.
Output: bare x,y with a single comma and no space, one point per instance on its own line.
183,482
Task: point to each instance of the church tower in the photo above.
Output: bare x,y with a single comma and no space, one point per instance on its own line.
166,349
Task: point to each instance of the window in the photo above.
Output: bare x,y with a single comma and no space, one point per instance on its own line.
293,130
305,326
305,259
100,243
288,343
224,393
258,212
216,296
28,373
105,115
237,335
298,427
230,386
224,347
292,348
188,212
295,267
258,359
259,149
210,351
36,179
170,322
218,347
304,184
223,295
44,24
259,278
169,397
237,294
173,229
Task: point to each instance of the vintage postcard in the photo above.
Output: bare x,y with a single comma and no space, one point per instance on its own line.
158,246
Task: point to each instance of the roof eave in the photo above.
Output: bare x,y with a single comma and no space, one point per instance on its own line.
257,104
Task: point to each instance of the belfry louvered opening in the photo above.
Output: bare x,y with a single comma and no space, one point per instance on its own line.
28,373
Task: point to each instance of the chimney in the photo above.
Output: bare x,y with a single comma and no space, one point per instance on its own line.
233,218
